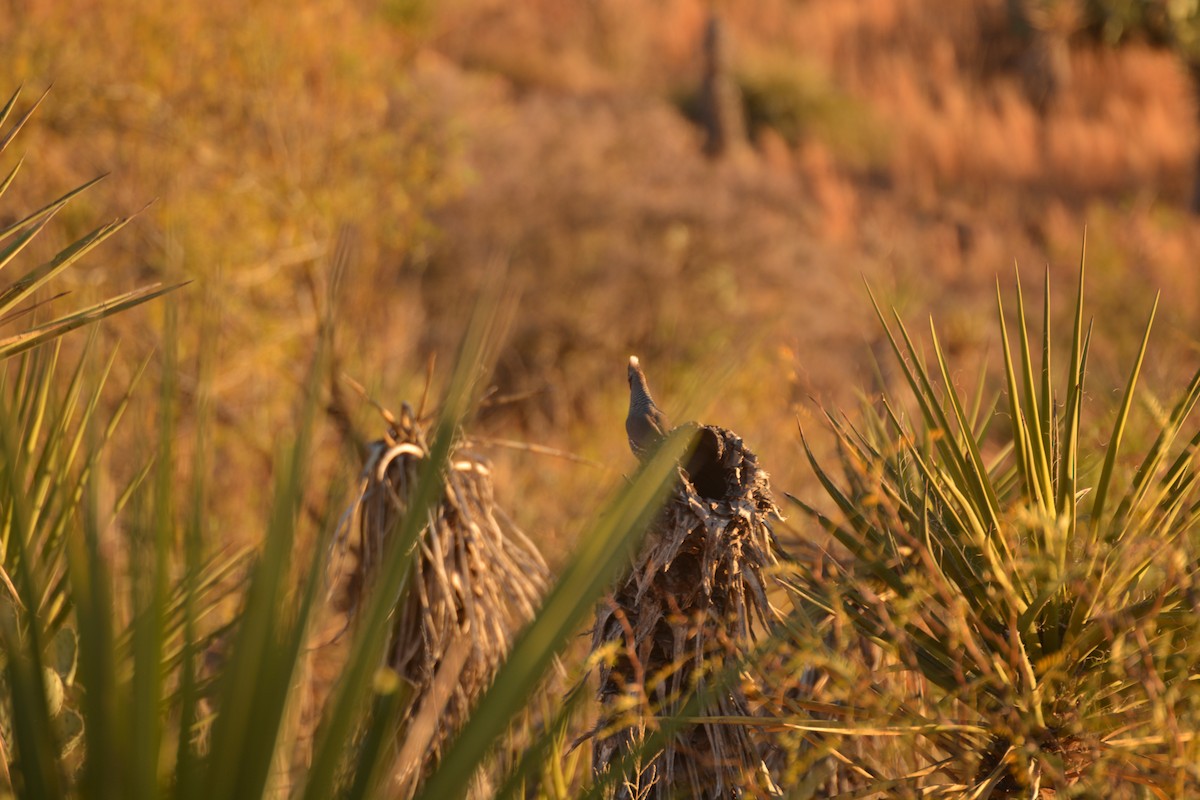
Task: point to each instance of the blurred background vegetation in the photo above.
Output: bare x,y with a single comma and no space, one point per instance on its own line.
893,139
923,145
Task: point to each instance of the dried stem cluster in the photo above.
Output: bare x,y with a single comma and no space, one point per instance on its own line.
693,604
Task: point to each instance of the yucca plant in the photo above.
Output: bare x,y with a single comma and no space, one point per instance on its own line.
51,437
175,699
46,468
477,580
52,460
693,604
16,300
1044,596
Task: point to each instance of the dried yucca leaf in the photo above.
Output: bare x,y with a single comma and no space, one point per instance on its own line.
476,581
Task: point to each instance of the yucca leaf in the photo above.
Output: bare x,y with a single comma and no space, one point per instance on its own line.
19,343
38,383
1069,444
1147,471
852,540
16,128
33,731
1025,429
956,556
8,107
949,440
54,436
188,777
104,731
596,562
150,540
984,496
346,704
1118,431
967,529
922,390
50,208
51,468
981,414
22,637
204,585
19,556
386,707
39,276
265,651
10,252
539,751
1046,415
11,176
849,507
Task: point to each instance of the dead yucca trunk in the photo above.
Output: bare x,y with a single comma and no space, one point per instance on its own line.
694,601
477,580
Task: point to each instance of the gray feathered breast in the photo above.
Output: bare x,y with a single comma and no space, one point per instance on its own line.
646,425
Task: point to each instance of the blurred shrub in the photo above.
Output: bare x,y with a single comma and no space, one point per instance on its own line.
799,102
259,130
1175,23
1041,592
408,15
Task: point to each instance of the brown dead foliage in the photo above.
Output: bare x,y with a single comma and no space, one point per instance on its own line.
476,580
693,604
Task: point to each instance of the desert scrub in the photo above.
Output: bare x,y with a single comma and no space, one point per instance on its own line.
1041,595
796,100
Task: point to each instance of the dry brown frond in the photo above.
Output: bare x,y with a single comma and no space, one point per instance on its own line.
477,580
695,599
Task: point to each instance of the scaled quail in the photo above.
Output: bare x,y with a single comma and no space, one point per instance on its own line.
646,424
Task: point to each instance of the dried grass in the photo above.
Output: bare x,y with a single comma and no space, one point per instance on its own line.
477,579
695,600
